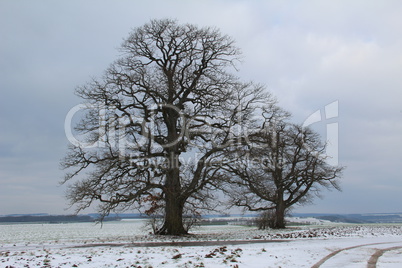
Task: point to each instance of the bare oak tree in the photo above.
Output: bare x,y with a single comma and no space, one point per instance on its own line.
282,165
158,121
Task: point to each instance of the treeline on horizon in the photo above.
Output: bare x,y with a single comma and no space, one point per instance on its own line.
93,217
52,218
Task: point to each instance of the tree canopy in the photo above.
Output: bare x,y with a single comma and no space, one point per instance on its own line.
284,164
159,120
169,123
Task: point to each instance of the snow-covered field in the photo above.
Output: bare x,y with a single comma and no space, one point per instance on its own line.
129,244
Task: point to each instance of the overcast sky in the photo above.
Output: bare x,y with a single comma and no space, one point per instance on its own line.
309,54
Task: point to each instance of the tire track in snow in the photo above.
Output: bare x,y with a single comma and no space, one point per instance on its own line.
372,263
374,260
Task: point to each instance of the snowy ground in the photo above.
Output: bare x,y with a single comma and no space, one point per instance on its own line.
121,244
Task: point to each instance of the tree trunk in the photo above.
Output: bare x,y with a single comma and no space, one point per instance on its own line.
173,222
174,203
280,215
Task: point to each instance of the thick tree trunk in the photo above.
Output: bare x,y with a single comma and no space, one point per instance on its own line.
173,222
280,215
174,203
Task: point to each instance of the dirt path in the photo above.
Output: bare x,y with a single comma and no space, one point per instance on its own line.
372,263
182,243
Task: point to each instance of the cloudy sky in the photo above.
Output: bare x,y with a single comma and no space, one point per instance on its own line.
309,54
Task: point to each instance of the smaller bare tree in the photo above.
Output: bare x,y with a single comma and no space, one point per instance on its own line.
283,164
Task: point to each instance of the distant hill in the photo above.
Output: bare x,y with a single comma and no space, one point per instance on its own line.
46,218
19,215
34,218
121,216
356,218
92,217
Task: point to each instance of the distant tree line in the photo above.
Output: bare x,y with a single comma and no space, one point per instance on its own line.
50,218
